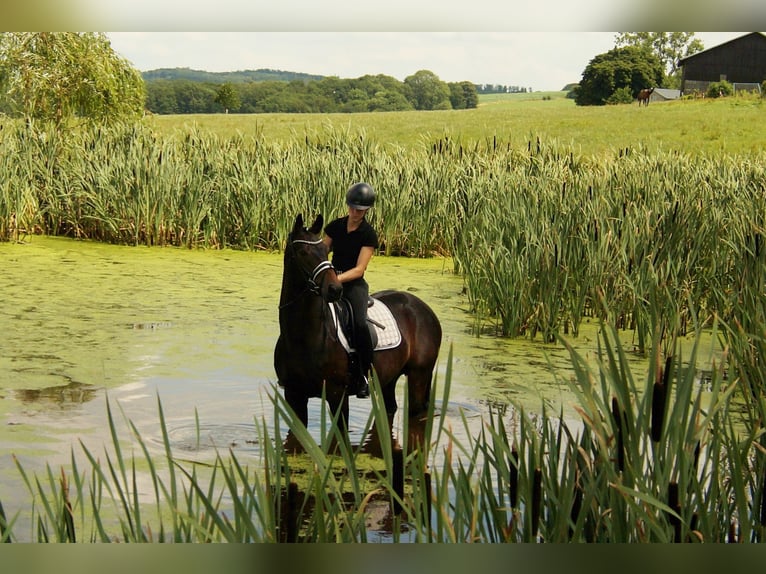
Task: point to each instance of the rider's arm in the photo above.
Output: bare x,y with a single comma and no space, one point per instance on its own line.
361,266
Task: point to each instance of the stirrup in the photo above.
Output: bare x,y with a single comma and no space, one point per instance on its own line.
363,390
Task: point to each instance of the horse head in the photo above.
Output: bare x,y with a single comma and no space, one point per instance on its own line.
309,254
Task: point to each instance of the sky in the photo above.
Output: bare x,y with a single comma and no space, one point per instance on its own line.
538,44
542,61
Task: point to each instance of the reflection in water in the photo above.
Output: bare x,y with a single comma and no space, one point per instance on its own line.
298,505
65,396
298,497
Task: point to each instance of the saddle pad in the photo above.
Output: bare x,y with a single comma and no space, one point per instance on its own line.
388,337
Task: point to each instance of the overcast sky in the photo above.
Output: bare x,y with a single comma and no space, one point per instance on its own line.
537,60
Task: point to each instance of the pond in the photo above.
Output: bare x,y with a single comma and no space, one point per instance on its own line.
84,322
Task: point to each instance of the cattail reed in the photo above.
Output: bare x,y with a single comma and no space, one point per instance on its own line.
619,432
513,481
398,480
659,400
631,224
762,519
537,502
675,506
292,512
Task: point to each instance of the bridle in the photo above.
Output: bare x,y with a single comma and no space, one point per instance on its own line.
321,267
311,277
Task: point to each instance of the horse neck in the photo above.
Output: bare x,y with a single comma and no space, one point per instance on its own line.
299,310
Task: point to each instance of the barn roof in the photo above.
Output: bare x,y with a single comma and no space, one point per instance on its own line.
667,93
685,59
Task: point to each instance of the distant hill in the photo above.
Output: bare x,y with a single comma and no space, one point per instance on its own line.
260,75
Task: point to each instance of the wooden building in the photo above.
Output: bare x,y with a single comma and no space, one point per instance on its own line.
664,95
740,61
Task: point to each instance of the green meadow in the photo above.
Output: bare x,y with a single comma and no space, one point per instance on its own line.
729,125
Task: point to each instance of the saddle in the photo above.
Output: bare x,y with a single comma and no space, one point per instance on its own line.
384,331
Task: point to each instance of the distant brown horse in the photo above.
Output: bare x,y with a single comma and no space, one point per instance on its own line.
643,96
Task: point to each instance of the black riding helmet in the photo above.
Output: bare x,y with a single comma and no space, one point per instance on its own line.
360,196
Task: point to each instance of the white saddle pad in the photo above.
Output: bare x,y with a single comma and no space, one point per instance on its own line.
385,326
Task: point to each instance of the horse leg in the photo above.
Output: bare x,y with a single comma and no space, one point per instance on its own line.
299,402
419,389
389,397
339,406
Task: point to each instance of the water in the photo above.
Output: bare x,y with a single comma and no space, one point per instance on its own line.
85,323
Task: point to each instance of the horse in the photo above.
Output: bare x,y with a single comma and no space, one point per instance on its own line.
643,96
309,357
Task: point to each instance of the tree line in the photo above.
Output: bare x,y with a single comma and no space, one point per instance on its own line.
259,75
501,89
57,76
422,90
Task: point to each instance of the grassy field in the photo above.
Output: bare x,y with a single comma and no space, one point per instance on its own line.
730,125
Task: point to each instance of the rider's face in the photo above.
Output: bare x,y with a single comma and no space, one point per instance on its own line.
356,214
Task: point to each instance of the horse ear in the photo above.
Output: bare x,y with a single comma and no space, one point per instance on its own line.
298,225
316,227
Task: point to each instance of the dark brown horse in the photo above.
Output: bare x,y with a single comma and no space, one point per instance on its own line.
309,358
643,96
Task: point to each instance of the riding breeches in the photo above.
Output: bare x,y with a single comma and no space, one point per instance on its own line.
357,293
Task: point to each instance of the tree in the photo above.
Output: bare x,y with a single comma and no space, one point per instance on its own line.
161,97
227,97
463,95
194,97
427,92
631,66
456,96
669,47
389,101
59,75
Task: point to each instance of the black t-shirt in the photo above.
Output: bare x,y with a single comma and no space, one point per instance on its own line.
346,246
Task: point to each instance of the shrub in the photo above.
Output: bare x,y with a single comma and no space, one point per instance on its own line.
719,89
621,96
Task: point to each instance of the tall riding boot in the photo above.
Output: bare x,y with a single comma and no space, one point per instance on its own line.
364,354
363,389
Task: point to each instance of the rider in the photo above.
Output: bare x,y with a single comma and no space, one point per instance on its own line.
353,241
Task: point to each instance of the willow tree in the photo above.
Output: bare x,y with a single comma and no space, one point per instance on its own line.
58,76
